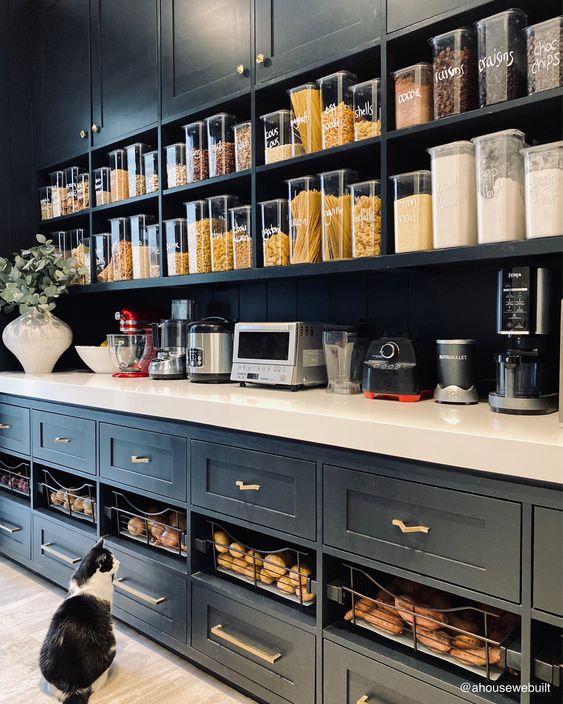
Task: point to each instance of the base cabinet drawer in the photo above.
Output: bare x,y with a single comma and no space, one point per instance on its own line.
57,550
274,491
470,540
15,529
156,462
270,652
64,440
548,560
14,428
350,678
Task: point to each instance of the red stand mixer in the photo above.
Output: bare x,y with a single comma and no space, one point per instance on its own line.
132,350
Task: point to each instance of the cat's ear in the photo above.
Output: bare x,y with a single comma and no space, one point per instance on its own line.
100,544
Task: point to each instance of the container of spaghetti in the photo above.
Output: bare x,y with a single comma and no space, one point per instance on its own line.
219,232
367,109
275,231
199,246
337,111
336,214
176,238
412,211
305,229
306,117
366,218
241,229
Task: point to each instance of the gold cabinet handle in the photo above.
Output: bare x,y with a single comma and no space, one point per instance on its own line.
5,426
50,550
260,58
83,134
9,529
409,529
241,69
64,441
140,460
363,700
121,585
247,487
95,128
219,631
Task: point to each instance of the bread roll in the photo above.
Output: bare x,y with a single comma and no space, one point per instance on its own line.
136,526
254,558
265,578
237,550
225,560
239,565
298,574
276,564
383,621
221,541
438,641
286,585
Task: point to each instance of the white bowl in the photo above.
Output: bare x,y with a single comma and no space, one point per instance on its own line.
97,358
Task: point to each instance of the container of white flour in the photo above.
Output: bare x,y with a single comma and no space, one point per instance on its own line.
412,211
454,204
543,181
500,186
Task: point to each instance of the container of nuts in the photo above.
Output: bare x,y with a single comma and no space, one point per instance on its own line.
221,145
45,203
277,137
367,109
275,231
454,67
413,95
150,162
219,232
176,170
136,168
119,180
337,112
58,193
199,245
121,249
544,42
142,252
176,240
196,151
242,236
243,145
102,188
366,218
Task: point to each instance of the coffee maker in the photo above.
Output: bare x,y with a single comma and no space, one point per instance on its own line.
526,372
169,342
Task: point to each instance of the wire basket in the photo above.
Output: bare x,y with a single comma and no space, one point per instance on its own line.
163,529
15,477
78,502
467,636
283,572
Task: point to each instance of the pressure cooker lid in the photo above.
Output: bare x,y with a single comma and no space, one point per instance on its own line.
212,324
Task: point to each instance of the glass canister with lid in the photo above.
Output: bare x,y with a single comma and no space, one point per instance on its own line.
121,249
366,218
243,145
143,254
58,193
102,187
500,186
413,95
454,200
150,162
83,191
367,109
275,231
337,111
306,116
196,151
176,170
199,244
176,238
221,144
277,136
543,180
305,229
45,203
79,243
336,214
136,168
412,211
241,227
119,179
72,174
454,67
103,264
219,232
544,42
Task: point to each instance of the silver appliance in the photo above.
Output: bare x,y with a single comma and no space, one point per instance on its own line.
169,342
209,353
279,354
456,372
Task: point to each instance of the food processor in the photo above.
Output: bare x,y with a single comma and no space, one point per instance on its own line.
169,342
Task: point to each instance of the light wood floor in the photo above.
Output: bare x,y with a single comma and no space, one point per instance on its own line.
143,672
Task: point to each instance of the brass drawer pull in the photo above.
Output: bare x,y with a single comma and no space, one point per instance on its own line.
121,585
409,529
363,700
5,426
140,460
64,441
50,550
267,657
241,69
260,58
9,529
247,487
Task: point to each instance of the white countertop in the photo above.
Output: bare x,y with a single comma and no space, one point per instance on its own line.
472,437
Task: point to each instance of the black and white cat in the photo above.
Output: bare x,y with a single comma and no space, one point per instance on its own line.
80,644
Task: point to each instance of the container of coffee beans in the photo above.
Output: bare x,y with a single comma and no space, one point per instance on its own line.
413,95
221,144
501,50
455,72
543,44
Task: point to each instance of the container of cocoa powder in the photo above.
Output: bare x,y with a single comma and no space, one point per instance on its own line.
413,95
455,72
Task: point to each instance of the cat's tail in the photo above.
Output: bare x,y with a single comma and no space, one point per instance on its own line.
80,697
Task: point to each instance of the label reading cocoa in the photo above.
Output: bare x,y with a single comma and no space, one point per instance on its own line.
409,95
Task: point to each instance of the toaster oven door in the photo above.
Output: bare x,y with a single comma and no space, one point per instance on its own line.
265,344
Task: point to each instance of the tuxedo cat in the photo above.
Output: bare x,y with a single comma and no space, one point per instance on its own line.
80,644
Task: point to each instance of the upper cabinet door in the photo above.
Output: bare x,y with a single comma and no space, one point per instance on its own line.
205,52
62,83
295,34
124,67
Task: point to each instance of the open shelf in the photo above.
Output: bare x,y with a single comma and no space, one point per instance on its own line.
126,203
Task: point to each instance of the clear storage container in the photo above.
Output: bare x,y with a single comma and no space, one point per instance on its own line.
176,238
196,151
412,208
83,191
199,244
501,50
275,231
61,242
543,179
454,197
304,219
119,180
176,169
367,109
366,218
145,263
306,117
58,193
45,203
71,184
150,160
455,72
79,244
221,144
277,136
337,116
336,214
500,186
220,233
243,145
544,42
242,236
103,264
151,241
102,185
136,168
121,249
413,95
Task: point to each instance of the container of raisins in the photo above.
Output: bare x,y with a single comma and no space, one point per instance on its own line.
454,69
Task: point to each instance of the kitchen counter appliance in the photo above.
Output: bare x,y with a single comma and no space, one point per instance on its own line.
209,352
131,349
456,372
169,341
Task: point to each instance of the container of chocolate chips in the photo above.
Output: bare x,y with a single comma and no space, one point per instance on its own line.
543,46
454,69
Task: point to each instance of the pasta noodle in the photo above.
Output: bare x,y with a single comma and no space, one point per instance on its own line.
305,211
337,227
306,104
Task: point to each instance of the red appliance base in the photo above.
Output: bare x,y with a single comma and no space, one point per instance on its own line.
129,375
405,398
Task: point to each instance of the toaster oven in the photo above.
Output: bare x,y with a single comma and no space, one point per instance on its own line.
279,354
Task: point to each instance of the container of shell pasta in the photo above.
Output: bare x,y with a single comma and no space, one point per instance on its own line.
367,109
304,219
336,214
220,234
366,218
275,231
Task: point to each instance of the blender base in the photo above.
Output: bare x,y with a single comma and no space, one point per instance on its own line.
456,395
540,405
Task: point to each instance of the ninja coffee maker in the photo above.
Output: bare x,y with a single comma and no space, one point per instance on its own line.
526,372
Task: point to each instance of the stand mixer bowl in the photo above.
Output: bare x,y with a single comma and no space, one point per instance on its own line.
131,354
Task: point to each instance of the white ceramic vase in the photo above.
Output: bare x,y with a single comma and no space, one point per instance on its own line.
37,339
